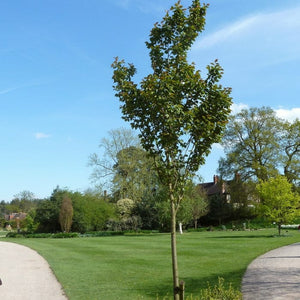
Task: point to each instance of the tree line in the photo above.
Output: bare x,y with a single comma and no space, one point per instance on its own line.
128,195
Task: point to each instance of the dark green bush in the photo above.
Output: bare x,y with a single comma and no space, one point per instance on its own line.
14,234
42,235
63,235
38,235
102,233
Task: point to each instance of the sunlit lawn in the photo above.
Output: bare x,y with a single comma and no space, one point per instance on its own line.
139,267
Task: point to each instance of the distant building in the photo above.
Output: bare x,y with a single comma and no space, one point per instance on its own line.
233,192
15,216
216,188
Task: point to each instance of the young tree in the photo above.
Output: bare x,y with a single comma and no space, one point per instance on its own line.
178,113
279,203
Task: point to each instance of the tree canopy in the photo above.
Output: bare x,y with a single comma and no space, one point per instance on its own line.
259,145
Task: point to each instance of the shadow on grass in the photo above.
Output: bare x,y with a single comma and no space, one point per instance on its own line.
192,285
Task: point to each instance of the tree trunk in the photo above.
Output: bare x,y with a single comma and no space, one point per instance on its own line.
279,229
174,251
196,224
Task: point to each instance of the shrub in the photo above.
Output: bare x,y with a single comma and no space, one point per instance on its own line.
101,233
14,234
42,235
38,235
62,235
220,292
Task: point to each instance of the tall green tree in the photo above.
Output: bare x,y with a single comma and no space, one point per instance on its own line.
178,113
134,176
47,211
110,151
251,145
259,145
278,202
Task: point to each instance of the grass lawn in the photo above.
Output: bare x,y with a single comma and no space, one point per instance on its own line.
139,267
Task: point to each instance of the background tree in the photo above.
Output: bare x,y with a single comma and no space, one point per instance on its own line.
177,112
24,201
290,144
251,145
278,202
197,202
91,212
29,222
47,211
241,197
134,176
219,210
125,165
111,148
148,210
66,214
258,145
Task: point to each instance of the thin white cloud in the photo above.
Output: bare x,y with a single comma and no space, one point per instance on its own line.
41,135
233,30
288,114
270,26
259,40
25,85
6,91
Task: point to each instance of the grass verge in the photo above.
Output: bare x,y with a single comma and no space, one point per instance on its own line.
139,267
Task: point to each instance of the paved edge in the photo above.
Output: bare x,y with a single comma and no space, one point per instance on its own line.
26,275
274,275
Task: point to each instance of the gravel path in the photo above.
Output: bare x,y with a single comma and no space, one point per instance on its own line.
26,275
274,275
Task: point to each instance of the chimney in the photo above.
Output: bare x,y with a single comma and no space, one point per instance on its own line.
216,179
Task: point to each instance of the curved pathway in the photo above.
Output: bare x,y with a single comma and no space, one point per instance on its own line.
26,275
274,275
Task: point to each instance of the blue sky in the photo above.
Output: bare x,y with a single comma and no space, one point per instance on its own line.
56,97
